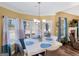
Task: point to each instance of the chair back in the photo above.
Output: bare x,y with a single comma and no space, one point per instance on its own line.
72,38
19,48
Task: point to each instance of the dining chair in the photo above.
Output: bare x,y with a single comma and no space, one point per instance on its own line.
73,40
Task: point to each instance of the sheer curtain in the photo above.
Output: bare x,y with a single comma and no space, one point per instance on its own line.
59,28
62,28
16,24
5,29
10,36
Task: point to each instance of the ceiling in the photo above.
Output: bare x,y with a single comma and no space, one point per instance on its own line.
46,8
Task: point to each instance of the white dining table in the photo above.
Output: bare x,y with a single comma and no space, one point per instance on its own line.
36,48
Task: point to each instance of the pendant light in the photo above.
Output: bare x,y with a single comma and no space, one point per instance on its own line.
39,9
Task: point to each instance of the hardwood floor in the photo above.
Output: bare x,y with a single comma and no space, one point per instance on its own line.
65,50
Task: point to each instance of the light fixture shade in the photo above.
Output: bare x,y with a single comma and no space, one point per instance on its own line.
35,20
44,21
